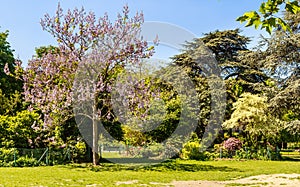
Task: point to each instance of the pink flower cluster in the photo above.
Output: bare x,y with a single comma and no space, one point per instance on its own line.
232,144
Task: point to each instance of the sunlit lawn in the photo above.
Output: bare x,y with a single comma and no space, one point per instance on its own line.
109,174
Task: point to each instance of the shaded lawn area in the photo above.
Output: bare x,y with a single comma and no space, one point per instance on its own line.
109,174
291,155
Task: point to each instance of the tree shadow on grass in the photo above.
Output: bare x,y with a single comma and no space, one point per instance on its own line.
291,158
169,165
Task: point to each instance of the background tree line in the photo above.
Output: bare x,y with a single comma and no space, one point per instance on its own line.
262,84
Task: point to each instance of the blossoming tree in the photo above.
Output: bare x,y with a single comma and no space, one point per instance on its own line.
82,39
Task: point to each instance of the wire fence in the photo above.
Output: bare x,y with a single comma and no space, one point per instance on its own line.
51,156
34,157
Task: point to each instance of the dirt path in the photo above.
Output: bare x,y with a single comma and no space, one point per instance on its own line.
283,180
275,180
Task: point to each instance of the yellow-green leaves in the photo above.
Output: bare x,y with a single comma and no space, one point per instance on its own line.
57,20
283,25
292,7
266,18
252,18
150,48
269,24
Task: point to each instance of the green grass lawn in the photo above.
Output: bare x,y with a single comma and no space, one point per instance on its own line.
108,174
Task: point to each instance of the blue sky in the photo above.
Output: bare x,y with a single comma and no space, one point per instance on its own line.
22,18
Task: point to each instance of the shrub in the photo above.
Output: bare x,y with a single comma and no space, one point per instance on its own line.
191,150
220,151
257,154
22,130
79,151
153,150
232,145
26,162
7,154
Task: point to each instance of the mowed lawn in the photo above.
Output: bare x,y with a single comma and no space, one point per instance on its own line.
111,174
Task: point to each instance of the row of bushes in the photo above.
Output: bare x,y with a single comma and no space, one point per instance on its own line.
231,148
8,157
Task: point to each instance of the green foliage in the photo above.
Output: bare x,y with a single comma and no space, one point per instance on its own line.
26,162
261,153
266,18
44,50
253,119
238,67
6,60
281,59
10,104
169,117
192,150
10,86
7,154
251,115
152,150
77,151
18,131
133,137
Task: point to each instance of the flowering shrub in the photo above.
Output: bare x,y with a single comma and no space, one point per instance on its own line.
192,150
232,144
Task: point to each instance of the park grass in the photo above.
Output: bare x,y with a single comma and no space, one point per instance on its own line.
109,174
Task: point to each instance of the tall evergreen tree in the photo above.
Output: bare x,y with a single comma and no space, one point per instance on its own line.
10,86
230,50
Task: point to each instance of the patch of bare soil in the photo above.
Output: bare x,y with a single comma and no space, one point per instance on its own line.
275,180
126,182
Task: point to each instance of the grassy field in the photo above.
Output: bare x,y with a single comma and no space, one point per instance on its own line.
110,174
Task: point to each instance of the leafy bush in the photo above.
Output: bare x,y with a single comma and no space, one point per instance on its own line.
21,131
173,147
79,151
232,144
153,150
26,162
191,150
257,154
7,155
220,151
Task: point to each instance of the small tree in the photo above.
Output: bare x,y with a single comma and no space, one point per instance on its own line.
92,43
251,116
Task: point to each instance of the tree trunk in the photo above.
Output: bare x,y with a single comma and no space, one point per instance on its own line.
95,140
